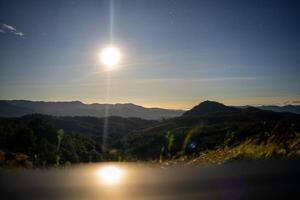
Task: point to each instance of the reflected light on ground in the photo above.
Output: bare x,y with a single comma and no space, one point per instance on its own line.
110,175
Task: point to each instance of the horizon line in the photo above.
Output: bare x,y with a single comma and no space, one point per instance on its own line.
286,103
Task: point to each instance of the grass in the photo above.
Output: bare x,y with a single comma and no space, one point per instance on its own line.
251,149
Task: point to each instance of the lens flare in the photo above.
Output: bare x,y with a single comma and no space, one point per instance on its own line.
110,175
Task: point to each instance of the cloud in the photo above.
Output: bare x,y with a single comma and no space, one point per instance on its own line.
5,28
19,34
8,27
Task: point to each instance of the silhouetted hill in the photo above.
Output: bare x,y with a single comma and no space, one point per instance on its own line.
49,140
287,108
115,127
213,126
208,107
10,110
18,108
42,144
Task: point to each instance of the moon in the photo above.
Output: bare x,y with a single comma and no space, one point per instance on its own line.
110,56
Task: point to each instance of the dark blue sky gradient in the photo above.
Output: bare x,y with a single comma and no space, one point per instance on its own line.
176,52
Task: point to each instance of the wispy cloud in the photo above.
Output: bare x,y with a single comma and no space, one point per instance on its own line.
8,27
5,28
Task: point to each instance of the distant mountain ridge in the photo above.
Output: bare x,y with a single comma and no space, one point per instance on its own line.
17,108
286,108
208,107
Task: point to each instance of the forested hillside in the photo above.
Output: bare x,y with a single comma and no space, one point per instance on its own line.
210,132
192,135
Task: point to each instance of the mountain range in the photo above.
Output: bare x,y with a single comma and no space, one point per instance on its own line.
286,108
211,130
18,108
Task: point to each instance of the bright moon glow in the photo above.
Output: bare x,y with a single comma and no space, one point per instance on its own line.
110,175
110,56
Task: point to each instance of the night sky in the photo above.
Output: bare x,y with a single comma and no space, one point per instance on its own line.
176,53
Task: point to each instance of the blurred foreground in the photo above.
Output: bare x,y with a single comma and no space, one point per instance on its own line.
239,180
